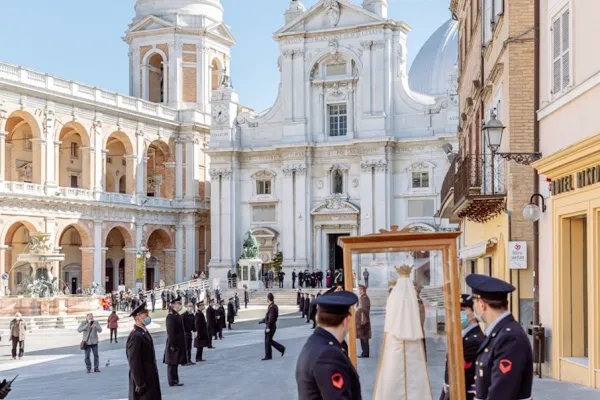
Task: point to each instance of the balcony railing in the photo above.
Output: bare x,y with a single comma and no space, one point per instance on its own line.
480,175
448,184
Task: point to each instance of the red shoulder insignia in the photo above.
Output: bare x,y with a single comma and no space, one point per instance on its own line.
505,366
337,380
133,330
468,365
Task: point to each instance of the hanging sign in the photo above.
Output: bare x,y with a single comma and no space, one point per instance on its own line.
517,255
5,276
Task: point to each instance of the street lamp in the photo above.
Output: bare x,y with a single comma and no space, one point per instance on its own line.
532,212
493,130
437,220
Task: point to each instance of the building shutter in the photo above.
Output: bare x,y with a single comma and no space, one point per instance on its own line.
487,20
566,37
556,59
498,9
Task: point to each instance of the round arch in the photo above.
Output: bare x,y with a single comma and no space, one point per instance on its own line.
159,234
129,243
122,137
7,235
84,234
73,127
16,117
345,52
217,68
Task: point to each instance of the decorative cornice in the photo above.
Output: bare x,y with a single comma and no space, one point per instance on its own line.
224,173
378,165
299,169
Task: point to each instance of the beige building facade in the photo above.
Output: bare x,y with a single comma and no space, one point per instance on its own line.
569,179
486,191
116,179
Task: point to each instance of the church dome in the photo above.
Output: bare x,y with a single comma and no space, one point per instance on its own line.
431,70
212,9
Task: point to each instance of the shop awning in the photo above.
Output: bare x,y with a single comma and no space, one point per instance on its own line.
476,250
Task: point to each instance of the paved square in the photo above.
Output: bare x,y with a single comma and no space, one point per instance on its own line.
53,368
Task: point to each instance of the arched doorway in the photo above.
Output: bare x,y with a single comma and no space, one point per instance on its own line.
120,164
16,241
74,157
160,177
70,243
115,250
217,73
156,79
159,265
24,157
110,276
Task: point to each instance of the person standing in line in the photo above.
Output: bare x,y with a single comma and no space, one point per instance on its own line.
230,313
175,348
163,297
153,299
363,321
504,361
328,279
212,321
307,307
472,338
323,369
229,279
203,338
18,329
236,303
144,383
300,279
271,278
246,297
366,277
90,330
221,321
281,277
113,325
294,275
313,311
189,322
302,305
298,298
320,279
270,321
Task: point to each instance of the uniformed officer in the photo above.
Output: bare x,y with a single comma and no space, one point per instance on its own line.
144,383
188,328
504,364
473,337
323,370
175,348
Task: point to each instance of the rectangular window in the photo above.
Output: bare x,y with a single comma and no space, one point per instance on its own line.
263,187
265,213
336,69
421,208
74,150
74,181
27,143
338,120
420,180
487,18
109,160
561,63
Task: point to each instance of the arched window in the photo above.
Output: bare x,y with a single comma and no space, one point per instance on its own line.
122,184
156,84
217,74
338,182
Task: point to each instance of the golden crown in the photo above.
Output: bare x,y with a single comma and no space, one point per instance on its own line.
403,271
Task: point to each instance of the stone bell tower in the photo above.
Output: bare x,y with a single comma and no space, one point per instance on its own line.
179,51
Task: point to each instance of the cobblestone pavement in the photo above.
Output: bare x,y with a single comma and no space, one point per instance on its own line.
53,368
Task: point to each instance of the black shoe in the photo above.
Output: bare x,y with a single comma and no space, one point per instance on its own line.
176,384
361,356
189,363
211,347
89,370
282,352
197,361
266,358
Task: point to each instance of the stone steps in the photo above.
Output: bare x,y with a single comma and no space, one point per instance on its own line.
68,322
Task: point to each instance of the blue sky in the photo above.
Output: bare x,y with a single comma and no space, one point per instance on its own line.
81,39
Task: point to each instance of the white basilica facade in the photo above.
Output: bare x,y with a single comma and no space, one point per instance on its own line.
348,147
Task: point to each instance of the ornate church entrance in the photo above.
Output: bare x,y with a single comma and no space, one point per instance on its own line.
336,253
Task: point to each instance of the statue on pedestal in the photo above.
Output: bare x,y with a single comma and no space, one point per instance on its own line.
250,247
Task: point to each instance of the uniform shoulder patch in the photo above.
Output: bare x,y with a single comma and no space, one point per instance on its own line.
505,366
337,380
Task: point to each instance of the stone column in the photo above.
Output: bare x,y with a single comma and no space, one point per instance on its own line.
98,266
202,90
40,162
301,217
56,164
215,217
130,266
351,112
169,183
87,268
297,85
190,250
50,148
229,252
287,215
381,205
99,157
287,83
145,82
377,79
135,71
179,253
8,164
87,175
140,163
367,94
367,195
103,162
3,155
318,247
191,192
169,275
179,168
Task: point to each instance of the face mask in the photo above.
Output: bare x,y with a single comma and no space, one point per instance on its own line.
464,319
479,317
179,308
147,321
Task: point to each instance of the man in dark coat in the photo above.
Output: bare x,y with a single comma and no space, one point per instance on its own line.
230,313
298,297
307,307
246,297
144,383
189,326
211,320
472,338
270,321
363,321
221,322
203,339
300,279
312,311
153,300
294,279
175,348
301,304
236,303
504,361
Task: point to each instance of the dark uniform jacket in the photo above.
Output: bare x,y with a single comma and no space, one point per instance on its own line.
143,373
202,339
175,350
211,319
312,314
230,312
270,319
306,305
504,365
188,321
221,314
471,342
324,371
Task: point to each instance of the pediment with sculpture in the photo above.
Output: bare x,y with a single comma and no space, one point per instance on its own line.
335,204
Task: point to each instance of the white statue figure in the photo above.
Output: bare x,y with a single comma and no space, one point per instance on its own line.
402,371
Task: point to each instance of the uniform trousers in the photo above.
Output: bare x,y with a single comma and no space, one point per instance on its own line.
173,374
21,343
199,353
269,342
364,345
188,342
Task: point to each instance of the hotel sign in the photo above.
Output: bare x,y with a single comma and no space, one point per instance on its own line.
565,184
517,255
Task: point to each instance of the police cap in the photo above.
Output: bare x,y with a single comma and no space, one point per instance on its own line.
489,288
466,300
139,310
338,303
176,300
